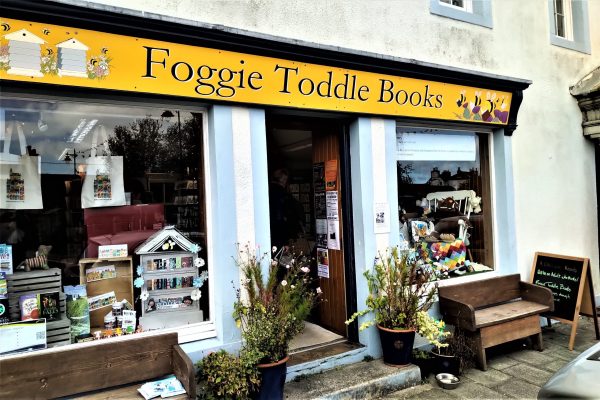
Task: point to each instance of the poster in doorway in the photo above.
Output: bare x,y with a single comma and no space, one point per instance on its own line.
331,172
332,206
319,177
333,234
323,263
320,206
321,228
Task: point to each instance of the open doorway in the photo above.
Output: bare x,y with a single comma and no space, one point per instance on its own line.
306,200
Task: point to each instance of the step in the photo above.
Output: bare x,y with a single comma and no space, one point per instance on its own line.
361,380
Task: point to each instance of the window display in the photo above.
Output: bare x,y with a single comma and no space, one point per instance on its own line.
81,180
444,198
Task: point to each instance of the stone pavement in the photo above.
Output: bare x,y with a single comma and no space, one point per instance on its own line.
514,370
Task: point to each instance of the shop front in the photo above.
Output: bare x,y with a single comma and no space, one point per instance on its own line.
137,154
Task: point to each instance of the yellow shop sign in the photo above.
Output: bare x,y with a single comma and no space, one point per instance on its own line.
34,52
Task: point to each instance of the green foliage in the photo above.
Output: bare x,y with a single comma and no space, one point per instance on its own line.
224,376
459,344
401,291
272,312
418,354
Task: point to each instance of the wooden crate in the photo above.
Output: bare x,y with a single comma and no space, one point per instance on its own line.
122,285
58,333
35,282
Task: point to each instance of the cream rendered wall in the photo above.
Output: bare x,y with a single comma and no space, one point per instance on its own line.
554,173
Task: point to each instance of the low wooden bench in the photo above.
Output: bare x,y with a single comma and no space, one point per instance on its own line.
108,369
496,310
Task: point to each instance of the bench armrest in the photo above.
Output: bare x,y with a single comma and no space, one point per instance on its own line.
183,368
457,313
537,294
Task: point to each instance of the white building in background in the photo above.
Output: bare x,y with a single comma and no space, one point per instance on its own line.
534,176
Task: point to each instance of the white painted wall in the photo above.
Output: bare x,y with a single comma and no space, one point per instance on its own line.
554,174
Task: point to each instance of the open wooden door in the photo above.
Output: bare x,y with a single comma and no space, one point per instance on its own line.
332,311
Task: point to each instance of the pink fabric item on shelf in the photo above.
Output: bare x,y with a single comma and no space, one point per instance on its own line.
130,225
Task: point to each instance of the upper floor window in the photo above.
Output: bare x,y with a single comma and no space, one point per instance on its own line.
478,12
465,5
563,19
569,24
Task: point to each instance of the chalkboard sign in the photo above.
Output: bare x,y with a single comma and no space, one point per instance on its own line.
567,278
563,277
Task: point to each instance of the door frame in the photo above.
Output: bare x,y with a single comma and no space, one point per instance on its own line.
348,236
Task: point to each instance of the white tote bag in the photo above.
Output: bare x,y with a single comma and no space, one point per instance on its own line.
103,182
20,181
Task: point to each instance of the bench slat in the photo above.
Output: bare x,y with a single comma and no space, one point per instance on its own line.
507,312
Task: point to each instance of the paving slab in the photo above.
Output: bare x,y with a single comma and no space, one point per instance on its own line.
554,365
528,373
472,390
517,389
415,392
501,362
488,378
532,357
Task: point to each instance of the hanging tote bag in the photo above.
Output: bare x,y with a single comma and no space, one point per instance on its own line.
103,182
20,181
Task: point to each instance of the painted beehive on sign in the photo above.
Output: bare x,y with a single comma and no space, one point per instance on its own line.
72,58
24,52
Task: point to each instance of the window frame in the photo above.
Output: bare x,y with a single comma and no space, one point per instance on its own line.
476,12
186,333
577,36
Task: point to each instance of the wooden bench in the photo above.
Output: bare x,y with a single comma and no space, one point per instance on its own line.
108,369
496,310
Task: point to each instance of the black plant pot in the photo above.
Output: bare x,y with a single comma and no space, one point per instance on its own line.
272,380
425,365
442,363
396,345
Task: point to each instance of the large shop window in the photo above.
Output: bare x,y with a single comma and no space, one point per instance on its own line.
102,221
444,199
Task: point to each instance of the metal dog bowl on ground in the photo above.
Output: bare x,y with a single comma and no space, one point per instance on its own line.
447,381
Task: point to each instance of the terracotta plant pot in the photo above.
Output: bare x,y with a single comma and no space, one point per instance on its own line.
396,345
443,363
272,380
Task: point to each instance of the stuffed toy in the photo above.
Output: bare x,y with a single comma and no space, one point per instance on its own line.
475,204
40,261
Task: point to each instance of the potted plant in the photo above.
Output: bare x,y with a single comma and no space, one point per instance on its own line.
271,312
401,292
222,375
455,354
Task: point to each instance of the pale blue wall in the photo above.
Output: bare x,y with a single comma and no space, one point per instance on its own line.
362,208
504,230
223,230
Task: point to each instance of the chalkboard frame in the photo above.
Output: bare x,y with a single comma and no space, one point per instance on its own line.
585,280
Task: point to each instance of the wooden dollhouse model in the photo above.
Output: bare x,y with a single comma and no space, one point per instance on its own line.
170,279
